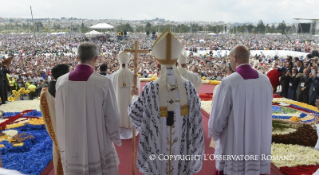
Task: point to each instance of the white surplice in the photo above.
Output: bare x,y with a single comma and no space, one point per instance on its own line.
87,119
184,138
193,78
124,98
241,124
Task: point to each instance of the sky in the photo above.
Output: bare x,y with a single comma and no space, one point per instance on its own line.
269,11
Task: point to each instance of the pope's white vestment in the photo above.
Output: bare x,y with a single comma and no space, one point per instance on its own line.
184,138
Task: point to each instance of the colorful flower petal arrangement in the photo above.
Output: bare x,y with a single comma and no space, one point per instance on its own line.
25,145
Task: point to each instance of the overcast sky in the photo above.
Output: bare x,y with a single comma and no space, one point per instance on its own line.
176,10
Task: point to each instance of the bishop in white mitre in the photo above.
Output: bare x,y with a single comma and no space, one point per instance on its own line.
122,81
87,118
168,116
195,79
241,119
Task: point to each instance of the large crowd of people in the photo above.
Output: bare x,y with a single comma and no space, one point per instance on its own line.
33,61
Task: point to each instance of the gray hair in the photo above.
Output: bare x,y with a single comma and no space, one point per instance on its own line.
87,51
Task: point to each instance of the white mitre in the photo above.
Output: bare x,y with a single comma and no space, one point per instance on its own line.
167,50
123,57
124,78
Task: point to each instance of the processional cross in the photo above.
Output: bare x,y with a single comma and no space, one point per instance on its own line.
136,52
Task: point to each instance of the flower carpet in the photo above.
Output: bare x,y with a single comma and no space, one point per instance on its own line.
296,140
25,145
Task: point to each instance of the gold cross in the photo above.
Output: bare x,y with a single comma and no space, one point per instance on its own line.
136,52
168,60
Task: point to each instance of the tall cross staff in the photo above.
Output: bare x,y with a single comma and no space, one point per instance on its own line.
136,52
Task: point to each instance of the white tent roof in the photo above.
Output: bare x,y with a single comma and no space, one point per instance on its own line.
212,34
102,26
93,32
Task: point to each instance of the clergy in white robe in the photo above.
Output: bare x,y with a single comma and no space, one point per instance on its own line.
122,81
168,116
195,79
47,106
241,119
87,118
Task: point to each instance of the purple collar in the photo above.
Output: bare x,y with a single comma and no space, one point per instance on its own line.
247,72
82,72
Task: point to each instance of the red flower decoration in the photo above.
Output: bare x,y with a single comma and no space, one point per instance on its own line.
12,119
300,170
206,96
277,96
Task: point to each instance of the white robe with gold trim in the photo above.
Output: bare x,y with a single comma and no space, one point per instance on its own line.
124,99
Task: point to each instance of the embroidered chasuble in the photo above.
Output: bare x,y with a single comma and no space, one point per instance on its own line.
168,116
184,137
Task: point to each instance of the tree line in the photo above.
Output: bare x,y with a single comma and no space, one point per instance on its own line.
261,28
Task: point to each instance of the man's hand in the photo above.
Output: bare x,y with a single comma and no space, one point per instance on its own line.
287,73
303,88
279,79
134,91
298,75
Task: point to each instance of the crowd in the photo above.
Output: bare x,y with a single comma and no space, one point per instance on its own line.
33,61
299,79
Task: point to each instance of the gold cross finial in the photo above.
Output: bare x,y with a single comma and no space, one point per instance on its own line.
136,52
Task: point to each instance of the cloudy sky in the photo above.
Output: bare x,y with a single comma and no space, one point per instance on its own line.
176,10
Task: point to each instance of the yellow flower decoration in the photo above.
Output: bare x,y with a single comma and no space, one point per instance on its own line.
214,82
153,78
16,125
295,119
36,121
203,78
17,144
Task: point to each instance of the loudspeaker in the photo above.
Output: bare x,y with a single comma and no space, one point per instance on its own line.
304,27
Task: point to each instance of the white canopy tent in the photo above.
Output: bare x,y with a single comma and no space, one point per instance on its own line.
102,26
93,32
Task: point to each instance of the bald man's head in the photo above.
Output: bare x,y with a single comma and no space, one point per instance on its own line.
239,55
